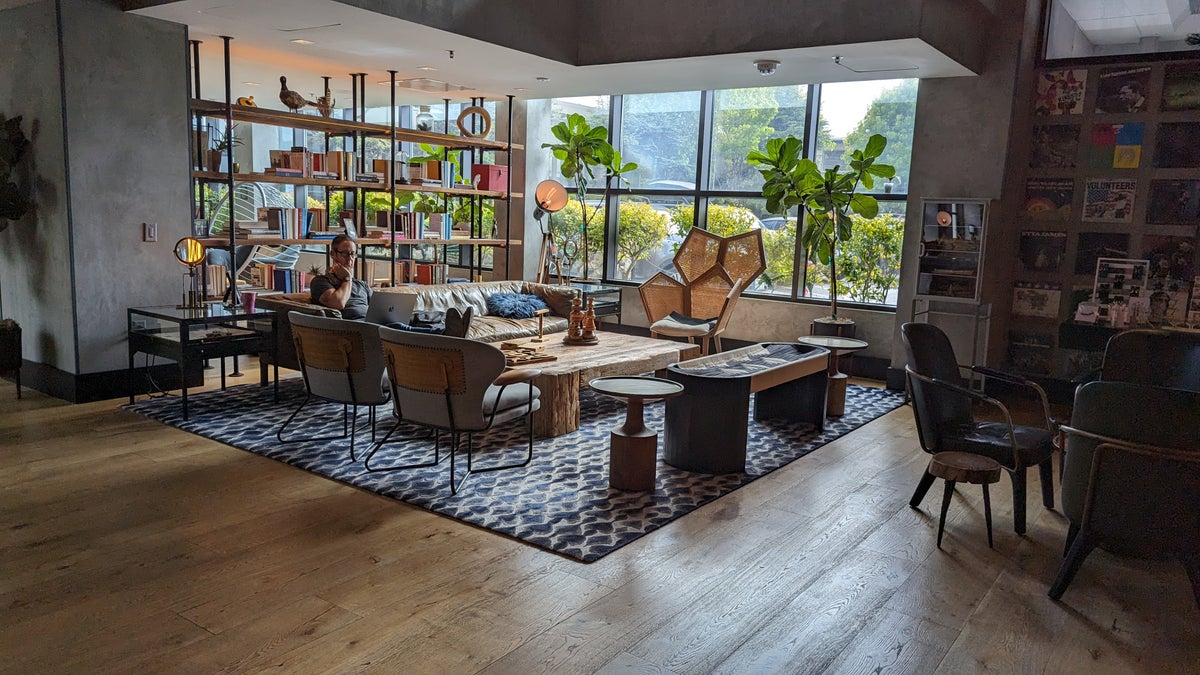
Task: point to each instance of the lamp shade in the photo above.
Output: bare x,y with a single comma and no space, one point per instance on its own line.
189,251
550,196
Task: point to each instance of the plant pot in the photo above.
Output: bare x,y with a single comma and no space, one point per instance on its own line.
216,158
827,325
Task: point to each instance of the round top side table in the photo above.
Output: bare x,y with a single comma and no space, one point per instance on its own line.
634,447
836,403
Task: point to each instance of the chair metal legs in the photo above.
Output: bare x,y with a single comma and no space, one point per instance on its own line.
387,438
454,485
349,425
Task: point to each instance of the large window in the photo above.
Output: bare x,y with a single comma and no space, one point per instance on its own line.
691,150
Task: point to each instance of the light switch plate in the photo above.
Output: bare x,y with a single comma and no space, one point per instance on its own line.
149,231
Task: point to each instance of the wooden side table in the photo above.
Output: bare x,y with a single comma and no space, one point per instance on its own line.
836,404
964,467
634,446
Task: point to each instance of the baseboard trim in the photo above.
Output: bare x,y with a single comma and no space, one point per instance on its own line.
105,385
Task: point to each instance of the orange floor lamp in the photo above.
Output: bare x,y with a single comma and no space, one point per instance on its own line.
550,197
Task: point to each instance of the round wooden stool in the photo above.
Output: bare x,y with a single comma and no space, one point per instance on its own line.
964,467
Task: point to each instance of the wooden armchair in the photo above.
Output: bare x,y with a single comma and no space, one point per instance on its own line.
713,271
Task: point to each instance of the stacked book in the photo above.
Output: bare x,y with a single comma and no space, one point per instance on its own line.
254,229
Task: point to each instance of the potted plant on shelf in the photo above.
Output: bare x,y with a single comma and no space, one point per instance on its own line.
581,149
827,197
225,143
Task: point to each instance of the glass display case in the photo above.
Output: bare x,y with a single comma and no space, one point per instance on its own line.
951,253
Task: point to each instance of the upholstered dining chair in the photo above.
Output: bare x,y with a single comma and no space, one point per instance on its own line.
1154,357
1131,481
342,362
455,385
943,406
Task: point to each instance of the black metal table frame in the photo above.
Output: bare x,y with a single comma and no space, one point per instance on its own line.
186,347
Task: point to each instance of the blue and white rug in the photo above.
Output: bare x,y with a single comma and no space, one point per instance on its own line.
561,501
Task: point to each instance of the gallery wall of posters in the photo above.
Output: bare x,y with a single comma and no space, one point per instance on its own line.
1113,174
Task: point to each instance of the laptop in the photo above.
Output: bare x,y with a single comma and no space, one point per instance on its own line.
389,308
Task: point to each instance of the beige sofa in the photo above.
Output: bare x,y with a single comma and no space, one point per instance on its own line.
484,327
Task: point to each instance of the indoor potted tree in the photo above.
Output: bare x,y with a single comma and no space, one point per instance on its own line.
581,149
827,197
14,204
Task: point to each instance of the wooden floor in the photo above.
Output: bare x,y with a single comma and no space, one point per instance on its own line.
129,546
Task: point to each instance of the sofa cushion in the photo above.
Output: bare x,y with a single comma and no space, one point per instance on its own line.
515,305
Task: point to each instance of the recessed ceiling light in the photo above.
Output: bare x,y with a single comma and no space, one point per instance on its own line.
302,41
543,79
252,84
518,88
426,68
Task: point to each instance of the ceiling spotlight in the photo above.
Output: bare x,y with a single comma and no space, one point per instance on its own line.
426,68
766,66
837,59
302,41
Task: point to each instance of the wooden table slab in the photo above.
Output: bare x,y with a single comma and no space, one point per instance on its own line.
616,354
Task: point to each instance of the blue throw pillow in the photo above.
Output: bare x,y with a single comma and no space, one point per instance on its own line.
514,305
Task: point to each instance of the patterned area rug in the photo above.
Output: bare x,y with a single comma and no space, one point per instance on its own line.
560,501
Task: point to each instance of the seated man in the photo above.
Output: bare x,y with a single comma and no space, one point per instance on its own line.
338,289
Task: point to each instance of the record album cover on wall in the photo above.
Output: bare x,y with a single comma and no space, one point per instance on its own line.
1095,245
1181,87
1109,200
1042,251
1060,92
1055,146
1049,198
1123,90
1116,146
1174,202
1178,145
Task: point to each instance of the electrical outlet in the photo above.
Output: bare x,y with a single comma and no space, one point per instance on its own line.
149,231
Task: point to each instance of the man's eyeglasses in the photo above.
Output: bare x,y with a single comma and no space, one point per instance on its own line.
352,254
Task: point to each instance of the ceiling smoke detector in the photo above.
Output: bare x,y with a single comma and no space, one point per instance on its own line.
766,66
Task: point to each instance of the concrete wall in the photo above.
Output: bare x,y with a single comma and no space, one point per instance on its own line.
106,157
126,111
35,252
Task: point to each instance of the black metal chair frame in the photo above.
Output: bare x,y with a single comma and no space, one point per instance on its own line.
506,379
1017,471
1081,539
349,421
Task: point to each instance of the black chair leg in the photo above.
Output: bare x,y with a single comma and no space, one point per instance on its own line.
1070,565
922,487
1072,532
1046,470
949,491
1018,481
987,512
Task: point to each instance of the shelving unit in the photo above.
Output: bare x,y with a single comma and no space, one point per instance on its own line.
951,255
353,131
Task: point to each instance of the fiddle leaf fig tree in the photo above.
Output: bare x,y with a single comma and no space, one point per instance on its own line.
581,150
828,197
14,201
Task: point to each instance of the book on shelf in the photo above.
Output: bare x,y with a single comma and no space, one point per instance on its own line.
342,163
216,279
368,177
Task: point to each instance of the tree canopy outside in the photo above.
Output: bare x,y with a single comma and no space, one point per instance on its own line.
893,114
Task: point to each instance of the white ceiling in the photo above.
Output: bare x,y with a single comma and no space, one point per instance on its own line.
347,39
1122,22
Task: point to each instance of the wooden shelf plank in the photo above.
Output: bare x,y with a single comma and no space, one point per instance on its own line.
330,125
220,176
462,241
223,242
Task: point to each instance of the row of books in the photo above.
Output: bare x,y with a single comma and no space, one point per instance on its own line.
267,276
416,272
417,225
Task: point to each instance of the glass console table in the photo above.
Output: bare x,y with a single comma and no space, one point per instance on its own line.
189,336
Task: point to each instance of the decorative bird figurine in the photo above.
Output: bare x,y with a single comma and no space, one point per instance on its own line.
324,104
293,100
247,101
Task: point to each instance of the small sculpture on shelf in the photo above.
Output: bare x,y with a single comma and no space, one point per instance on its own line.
246,101
589,320
292,99
325,104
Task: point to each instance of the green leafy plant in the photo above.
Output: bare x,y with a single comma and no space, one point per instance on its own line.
828,198
14,201
228,140
581,150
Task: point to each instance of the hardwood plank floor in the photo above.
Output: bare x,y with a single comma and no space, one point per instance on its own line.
132,547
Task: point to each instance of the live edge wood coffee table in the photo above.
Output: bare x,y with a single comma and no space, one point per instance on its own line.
575,366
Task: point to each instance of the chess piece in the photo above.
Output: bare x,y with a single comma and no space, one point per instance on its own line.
575,321
589,320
